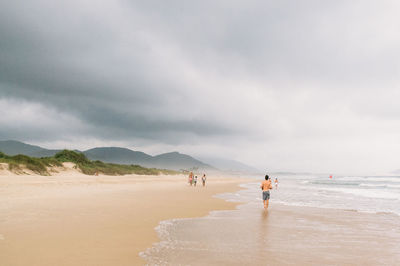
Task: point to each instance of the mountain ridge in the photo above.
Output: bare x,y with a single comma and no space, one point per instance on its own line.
171,160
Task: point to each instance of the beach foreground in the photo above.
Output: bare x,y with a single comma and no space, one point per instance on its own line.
74,219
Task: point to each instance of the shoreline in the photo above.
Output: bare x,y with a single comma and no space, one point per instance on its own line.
73,219
283,235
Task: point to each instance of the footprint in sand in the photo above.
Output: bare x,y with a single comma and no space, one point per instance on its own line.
1,237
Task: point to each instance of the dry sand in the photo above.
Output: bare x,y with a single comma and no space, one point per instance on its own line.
74,219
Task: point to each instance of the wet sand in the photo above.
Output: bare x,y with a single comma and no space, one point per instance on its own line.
73,219
319,236
283,235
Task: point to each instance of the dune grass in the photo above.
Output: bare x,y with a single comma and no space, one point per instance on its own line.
37,165
40,165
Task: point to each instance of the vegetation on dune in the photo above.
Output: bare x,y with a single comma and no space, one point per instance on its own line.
40,165
71,156
37,165
92,167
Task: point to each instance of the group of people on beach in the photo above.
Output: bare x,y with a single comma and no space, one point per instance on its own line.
193,179
266,186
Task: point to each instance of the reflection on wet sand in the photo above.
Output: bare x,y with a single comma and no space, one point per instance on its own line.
281,235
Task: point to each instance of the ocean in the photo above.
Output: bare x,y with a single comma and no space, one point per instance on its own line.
360,193
312,220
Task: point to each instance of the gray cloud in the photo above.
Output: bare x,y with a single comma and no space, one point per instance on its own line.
283,85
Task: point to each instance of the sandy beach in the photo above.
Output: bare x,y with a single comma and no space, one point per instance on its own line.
74,219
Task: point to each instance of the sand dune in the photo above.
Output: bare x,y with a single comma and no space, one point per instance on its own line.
67,169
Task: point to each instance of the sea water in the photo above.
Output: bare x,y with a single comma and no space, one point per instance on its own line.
251,236
360,193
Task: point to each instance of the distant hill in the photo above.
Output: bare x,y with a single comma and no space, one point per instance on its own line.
118,155
230,165
13,147
44,153
172,160
177,160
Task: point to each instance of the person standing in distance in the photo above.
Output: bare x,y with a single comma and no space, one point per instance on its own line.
191,178
266,186
204,179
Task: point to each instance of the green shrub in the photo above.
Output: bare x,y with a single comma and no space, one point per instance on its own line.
50,161
71,156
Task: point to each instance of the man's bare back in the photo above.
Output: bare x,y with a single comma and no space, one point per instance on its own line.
266,185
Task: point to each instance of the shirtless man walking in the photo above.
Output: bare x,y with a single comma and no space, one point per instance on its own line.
266,186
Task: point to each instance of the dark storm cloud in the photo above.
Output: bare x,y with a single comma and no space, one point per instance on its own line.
81,65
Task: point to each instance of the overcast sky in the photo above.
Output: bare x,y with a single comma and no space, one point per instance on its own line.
280,85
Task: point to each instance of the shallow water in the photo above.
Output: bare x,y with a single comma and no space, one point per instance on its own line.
286,235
